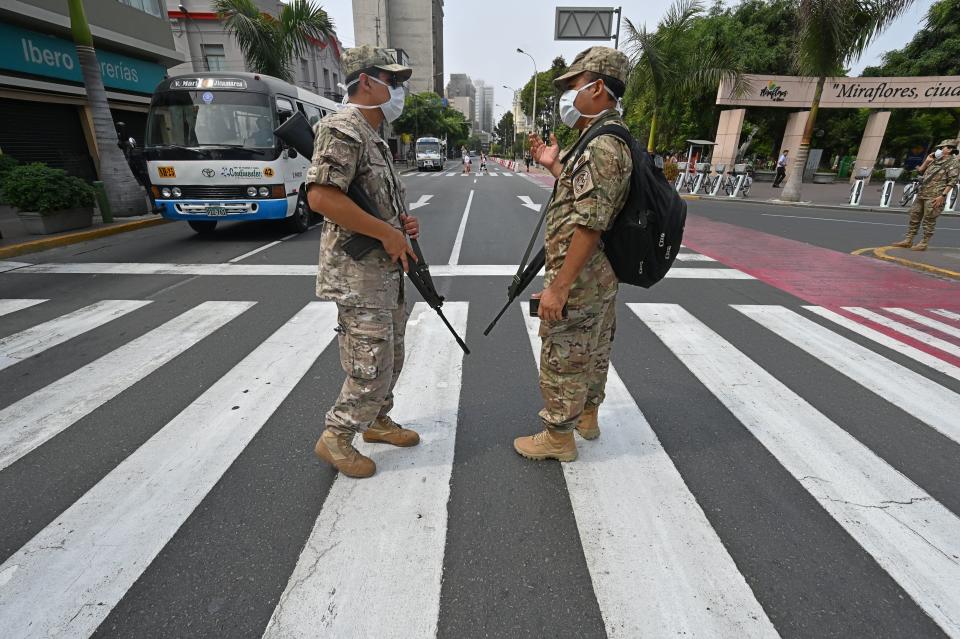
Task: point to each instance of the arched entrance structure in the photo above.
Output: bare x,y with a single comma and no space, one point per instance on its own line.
795,92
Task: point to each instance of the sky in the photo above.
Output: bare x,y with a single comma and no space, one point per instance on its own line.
481,37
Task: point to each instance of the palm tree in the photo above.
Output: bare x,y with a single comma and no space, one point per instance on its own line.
670,65
126,196
831,36
269,44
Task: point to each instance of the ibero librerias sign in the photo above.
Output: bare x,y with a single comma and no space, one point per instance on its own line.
795,92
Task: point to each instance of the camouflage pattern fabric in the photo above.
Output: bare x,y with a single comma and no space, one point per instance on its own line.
940,174
602,60
371,354
575,354
348,148
369,57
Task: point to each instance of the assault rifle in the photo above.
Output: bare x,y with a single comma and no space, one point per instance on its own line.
521,280
296,132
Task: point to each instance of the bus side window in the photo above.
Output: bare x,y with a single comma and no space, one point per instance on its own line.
300,108
313,113
284,109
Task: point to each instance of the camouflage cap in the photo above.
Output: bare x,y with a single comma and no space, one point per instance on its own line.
948,142
369,57
602,60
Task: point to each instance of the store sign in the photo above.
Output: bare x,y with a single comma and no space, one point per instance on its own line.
794,92
36,53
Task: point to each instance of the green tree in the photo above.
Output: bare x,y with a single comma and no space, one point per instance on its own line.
422,116
124,193
831,36
269,44
546,92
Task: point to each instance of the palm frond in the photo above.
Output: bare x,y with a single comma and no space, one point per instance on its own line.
301,22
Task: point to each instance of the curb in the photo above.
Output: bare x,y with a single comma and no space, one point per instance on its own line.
880,253
33,246
814,205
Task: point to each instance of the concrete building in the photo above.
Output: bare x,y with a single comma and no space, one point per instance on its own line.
461,89
522,122
463,104
42,98
416,26
484,106
206,46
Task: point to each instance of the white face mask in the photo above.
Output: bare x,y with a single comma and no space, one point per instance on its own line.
570,114
938,153
391,109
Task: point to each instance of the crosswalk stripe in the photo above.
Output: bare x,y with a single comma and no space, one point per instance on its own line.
923,320
508,174
38,417
380,542
910,535
694,257
885,340
655,537
948,314
14,305
81,564
903,329
921,397
35,340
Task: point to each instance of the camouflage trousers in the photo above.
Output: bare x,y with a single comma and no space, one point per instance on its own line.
574,361
923,211
371,354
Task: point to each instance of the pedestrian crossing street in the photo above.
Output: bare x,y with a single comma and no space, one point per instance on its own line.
658,566
428,174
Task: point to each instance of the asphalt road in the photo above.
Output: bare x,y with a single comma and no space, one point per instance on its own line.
772,463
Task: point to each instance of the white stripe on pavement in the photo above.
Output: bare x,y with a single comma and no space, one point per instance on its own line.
14,305
10,266
923,320
942,312
253,252
81,564
507,174
885,340
38,417
387,533
694,257
458,243
655,537
903,329
36,339
908,390
910,535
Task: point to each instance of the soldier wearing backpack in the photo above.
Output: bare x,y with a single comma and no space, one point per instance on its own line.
577,305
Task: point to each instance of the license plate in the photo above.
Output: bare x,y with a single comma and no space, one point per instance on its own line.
166,172
217,211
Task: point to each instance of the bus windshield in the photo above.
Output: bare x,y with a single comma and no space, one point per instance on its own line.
210,118
428,146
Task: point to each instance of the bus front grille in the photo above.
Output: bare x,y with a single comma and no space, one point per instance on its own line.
221,191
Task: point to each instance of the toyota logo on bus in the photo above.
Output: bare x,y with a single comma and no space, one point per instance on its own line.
208,173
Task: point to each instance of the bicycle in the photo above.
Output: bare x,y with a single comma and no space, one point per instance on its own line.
910,191
731,181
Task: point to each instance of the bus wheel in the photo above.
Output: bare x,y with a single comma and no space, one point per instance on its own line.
300,220
203,226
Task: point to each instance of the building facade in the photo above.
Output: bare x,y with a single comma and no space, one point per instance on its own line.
462,95
416,26
522,123
484,106
42,97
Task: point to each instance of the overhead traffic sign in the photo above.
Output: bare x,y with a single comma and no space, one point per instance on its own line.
586,23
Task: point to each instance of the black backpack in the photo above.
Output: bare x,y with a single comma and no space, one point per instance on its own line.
645,237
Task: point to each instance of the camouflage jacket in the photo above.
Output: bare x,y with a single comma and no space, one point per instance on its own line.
591,191
939,175
348,148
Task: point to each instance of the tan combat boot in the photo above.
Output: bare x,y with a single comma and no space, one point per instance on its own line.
386,431
906,242
587,426
921,245
338,451
547,444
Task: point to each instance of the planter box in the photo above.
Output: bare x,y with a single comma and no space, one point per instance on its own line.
764,175
56,222
824,178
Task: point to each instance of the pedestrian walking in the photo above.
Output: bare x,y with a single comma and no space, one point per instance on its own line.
577,305
940,171
368,291
527,160
781,168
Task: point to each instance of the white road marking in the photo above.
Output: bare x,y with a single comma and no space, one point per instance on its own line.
529,203
694,257
833,219
885,340
423,200
458,243
253,252
382,539
923,320
910,535
14,305
902,328
945,313
474,180
39,417
9,266
508,174
452,173
82,563
911,392
643,531
492,174
36,339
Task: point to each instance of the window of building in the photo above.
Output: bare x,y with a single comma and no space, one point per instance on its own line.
326,80
214,57
304,71
153,7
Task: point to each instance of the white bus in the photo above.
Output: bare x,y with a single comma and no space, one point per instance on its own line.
431,153
211,153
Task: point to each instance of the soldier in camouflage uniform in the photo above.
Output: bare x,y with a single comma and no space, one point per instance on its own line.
591,191
368,291
940,176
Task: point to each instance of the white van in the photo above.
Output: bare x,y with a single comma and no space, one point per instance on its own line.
431,153
211,153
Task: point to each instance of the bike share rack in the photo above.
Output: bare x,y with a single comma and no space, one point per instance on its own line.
951,202
721,177
856,191
740,170
703,170
682,168
886,194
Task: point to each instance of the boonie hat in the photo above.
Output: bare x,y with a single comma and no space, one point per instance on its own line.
602,60
948,142
369,57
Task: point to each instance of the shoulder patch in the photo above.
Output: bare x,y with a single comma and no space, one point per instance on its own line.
583,159
582,182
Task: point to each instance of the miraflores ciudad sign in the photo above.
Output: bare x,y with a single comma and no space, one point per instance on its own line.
795,92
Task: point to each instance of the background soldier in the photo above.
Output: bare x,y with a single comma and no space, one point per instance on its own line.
940,173
591,191
369,291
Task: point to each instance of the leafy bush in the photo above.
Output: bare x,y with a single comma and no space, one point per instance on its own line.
671,171
7,163
41,189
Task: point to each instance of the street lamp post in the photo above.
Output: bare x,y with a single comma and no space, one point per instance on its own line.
523,141
534,115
